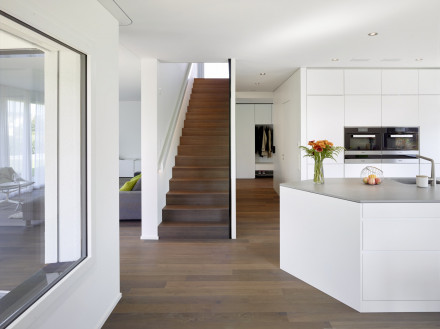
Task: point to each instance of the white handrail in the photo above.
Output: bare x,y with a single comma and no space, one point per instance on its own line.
168,138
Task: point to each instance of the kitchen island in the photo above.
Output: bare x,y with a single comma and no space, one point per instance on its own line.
375,248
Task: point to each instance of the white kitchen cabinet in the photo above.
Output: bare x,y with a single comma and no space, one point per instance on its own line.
400,82
394,276
400,169
325,82
245,137
263,114
400,110
353,170
429,114
429,82
325,120
363,110
363,82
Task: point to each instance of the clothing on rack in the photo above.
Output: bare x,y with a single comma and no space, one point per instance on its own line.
264,141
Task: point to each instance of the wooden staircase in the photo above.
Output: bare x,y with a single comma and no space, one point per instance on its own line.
197,204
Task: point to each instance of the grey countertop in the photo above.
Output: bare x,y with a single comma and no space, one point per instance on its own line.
353,189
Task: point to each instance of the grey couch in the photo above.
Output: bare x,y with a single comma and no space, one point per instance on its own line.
129,203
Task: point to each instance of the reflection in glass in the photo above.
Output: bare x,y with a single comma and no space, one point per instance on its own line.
42,150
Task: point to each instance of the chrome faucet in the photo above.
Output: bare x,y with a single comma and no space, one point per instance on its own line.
432,178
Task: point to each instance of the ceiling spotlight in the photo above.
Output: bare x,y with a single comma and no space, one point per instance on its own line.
335,59
419,59
263,73
372,34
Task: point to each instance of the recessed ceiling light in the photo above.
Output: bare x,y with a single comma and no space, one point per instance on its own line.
263,73
335,59
372,34
419,59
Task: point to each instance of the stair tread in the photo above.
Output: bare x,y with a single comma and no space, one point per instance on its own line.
195,207
196,223
182,192
202,167
198,179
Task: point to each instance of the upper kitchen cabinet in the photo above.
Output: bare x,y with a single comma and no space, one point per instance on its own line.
400,110
363,82
400,82
263,114
429,82
363,111
325,120
325,82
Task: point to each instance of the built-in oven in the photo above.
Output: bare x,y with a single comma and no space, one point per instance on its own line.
400,145
363,144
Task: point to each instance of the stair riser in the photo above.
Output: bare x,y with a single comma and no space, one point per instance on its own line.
205,132
219,90
201,161
208,104
204,140
193,232
198,199
208,116
213,186
214,96
205,150
200,173
211,215
208,124
211,82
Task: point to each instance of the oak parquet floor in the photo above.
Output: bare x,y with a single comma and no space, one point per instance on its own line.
225,284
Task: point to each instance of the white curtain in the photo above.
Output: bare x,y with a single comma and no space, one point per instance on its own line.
22,133
37,116
4,132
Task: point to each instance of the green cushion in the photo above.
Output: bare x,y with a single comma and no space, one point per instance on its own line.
128,186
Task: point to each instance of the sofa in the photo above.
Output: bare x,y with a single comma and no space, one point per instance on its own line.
129,203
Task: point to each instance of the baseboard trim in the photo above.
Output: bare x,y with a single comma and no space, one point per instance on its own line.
149,237
109,311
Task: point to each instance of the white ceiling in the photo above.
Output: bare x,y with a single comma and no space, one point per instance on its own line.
278,36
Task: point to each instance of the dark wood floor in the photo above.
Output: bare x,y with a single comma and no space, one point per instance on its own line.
234,283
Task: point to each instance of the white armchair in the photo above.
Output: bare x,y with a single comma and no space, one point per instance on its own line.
11,182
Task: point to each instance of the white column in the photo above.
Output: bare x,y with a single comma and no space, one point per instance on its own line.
149,155
233,156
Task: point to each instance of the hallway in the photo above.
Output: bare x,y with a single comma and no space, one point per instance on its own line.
225,284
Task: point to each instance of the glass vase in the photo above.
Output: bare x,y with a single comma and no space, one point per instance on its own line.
318,176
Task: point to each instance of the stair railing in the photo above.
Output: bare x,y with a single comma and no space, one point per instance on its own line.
174,119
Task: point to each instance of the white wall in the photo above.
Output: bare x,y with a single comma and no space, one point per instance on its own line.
87,295
170,78
254,97
129,75
286,114
150,220
130,130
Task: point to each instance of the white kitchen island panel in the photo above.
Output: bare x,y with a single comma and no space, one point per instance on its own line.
319,244
374,248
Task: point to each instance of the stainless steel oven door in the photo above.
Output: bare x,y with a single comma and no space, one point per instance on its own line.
363,139
401,139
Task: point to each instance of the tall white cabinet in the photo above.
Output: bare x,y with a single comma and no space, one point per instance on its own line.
245,146
247,117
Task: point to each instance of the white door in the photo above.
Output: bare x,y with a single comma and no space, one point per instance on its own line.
245,144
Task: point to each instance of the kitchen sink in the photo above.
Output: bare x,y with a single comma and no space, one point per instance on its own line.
409,180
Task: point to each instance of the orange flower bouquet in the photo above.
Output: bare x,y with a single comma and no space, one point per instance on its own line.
319,151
